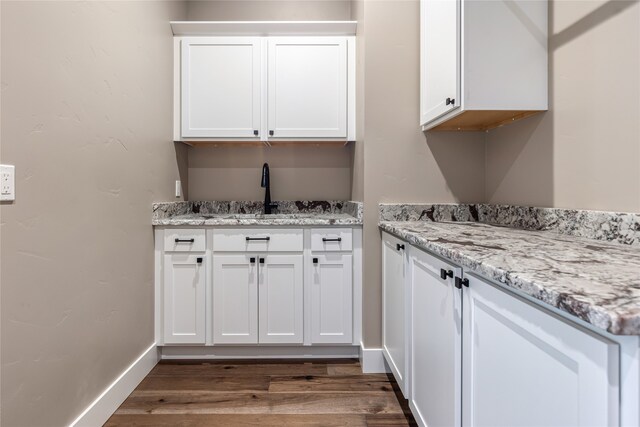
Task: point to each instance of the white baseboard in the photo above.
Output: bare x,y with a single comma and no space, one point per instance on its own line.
99,411
372,360
258,352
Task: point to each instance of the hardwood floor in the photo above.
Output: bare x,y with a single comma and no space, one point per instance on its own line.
263,393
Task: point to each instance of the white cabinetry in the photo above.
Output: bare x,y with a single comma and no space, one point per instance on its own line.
280,299
221,87
483,62
263,88
435,341
184,298
307,87
235,299
331,298
394,308
523,365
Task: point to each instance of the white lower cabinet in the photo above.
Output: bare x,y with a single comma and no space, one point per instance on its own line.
481,356
524,366
435,343
394,312
184,298
331,280
280,299
235,299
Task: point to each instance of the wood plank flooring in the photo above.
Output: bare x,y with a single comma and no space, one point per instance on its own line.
263,393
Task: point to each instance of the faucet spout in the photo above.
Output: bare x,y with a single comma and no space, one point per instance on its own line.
266,184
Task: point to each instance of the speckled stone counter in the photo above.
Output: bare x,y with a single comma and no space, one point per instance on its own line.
596,281
225,213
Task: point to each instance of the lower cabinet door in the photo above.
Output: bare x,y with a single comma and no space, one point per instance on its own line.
184,299
235,299
435,343
524,366
394,309
281,299
331,298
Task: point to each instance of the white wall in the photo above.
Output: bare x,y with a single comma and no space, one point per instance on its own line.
86,118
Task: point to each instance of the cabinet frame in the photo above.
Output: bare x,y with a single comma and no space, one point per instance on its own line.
263,138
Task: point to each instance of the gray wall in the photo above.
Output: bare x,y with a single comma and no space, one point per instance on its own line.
401,163
311,173
86,119
584,152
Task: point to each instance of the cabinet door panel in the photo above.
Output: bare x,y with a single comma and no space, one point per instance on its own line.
394,311
184,299
221,87
435,358
331,299
525,366
439,57
307,87
235,299
281,299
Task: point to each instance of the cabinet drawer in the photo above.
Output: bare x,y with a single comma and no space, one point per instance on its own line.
257,240
331,239
184,240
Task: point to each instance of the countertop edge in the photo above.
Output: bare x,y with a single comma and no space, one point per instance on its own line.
596,316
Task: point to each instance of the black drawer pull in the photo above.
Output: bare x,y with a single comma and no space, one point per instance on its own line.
252,260
315,260
261,260
185,240
199,260
445,273
258,238
327,239
399,247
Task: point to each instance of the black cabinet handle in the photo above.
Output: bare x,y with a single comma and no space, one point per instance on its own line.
315,260
337,239
460,282
451,101
399,246
270,133
199,260
258,238
445,273
252,260
255,132
261,260
185,240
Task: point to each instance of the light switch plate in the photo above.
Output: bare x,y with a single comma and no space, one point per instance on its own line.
178,189
7,182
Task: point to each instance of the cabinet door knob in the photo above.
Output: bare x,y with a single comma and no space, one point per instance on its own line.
270,133
399,247
252,260
451,101
315,260
458,283
255,132
445,273
199,260
261,260
465,282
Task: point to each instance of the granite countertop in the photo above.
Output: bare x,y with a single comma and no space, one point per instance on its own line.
294,213
598,282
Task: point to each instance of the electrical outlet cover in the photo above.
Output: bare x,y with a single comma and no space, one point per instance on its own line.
7,183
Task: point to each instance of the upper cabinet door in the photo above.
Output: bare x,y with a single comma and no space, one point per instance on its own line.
221,87
525,366
307,87
440,58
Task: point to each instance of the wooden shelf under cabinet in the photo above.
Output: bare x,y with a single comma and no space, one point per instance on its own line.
476,120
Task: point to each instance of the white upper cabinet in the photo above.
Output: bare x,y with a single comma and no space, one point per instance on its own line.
307,87
266,81
221,87
483,62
